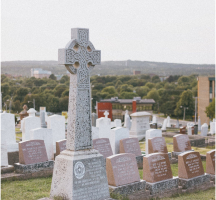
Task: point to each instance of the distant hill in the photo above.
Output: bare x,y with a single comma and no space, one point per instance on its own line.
111,68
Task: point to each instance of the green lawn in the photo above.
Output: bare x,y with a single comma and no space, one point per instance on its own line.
170,146
34,189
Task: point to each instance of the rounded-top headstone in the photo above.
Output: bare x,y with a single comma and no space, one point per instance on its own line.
181,143
31,112
210,162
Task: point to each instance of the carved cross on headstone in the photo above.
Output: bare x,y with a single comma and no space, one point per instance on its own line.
106,114
79,57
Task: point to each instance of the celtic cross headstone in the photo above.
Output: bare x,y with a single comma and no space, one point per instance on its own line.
79,172
79,57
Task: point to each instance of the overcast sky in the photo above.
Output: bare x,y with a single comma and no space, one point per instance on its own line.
179,31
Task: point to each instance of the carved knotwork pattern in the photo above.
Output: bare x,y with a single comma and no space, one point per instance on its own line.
81,56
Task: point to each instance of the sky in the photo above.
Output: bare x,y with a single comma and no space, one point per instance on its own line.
174,31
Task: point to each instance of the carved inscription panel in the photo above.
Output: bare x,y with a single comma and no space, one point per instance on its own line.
156,167
157,144
103,146
143,123
190,165
122,169
181,143
130,145
32,151
90,181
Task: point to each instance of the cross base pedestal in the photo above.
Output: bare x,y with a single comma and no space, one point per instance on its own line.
80,175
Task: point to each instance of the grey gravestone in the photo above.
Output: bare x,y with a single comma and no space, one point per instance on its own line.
94,118
42,117
79,171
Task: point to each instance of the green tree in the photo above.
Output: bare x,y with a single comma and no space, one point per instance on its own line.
53,77
156,79
118,84
63,104
142,91
125,88
153,94
186,100
150,85
59,89
108,92
127,95
64,79
210,109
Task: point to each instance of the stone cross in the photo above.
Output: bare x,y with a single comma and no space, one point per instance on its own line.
106,114
79,57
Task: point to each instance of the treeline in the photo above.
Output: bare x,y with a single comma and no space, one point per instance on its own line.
169,95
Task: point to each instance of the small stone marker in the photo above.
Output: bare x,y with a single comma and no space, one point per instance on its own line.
156,167
151,133
181,143
117,123
204,129
157,144
32,151
103,146
189,165
210,162
127,122
60,146
183,130
130,145
42,117
168,122
199,124
94,118
116,135
164,125
212,127
122,169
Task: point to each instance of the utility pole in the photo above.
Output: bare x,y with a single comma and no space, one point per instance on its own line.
195,107
184,111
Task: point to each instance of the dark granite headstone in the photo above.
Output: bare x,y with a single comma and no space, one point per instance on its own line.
60,146
32,151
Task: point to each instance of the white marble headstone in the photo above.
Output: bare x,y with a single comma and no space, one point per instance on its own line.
57,124
117,123
150,134
168,122
199,124
4,155
154,120
140,123
46,135
204,129
116,135
8,125
95,132
212,127
164,125
104,125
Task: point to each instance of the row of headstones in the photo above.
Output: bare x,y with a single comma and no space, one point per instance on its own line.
32,130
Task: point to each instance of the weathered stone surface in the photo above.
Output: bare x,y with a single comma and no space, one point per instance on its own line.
128,189
103,146
122,169
194,182
95,132
210,162
212,127
79,171
151,133
164,125
175,154
162,186
80,175
7,169
57,124
60,146
156,167
130,145
94,118
183,130
4,155
46,135
181,143
8,127
168,122
32,151
42,117
190,165
157,144
127,122
13,157
36,167
140,123
116,135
